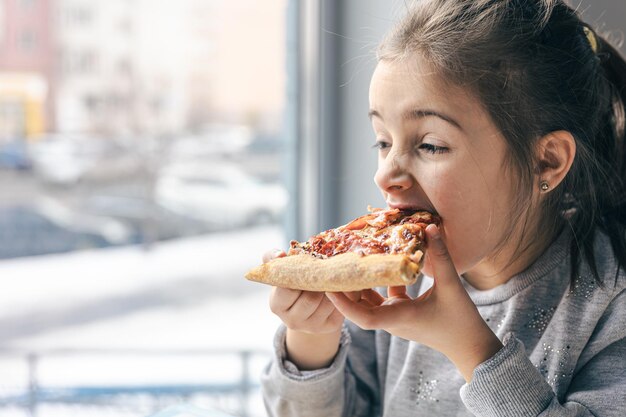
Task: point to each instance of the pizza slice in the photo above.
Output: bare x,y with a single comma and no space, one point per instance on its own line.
383,248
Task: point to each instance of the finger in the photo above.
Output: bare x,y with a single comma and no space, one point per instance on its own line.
352,310
373,297
282,299
366,317
306,305
397,291
353,295
363,298
276,253
443,268
335,318
366,303
325,309
370,317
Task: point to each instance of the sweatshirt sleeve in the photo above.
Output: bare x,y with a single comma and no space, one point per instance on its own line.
331,391
509,384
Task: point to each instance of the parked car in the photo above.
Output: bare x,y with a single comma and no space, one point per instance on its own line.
14,155
47,227
60,161
144,216
68,160
219,193
214,140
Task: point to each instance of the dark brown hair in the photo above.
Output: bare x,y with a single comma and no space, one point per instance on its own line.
536,69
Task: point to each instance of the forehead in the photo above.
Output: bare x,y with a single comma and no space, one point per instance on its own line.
400,86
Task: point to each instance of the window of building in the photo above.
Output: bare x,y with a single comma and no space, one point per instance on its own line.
79,62
27,4
77,16
27,41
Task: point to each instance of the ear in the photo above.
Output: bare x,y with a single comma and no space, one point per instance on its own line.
555,155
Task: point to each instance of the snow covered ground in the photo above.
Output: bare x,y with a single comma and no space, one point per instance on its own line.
118,305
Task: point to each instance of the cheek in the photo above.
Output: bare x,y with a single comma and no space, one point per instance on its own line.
470,220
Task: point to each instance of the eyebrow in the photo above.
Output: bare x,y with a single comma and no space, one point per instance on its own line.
418,114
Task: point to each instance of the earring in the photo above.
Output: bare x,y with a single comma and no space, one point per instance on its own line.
544,186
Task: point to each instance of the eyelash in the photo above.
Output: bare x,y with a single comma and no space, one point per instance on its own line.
428,147
434,149
380,145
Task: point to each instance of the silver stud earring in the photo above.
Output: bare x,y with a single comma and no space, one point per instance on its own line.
544,186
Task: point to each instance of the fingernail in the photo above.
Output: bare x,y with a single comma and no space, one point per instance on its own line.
434,231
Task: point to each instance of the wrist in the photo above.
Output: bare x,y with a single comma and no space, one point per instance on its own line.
310,351
478,349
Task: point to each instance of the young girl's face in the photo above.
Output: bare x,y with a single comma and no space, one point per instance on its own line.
440,151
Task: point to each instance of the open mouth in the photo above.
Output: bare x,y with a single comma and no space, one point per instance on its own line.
410,207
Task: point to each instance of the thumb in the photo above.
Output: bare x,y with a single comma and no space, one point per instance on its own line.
276,253
445,273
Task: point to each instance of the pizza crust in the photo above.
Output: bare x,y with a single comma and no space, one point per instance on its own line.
345,272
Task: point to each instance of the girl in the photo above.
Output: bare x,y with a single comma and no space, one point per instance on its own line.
505,117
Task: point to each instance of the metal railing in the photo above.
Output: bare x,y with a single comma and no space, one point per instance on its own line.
35,394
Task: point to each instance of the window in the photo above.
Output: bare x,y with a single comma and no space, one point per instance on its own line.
79,63
27,41
77,16
27,4
141,174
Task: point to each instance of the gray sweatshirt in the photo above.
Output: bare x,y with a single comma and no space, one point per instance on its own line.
564,354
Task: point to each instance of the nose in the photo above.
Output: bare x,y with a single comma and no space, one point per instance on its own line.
392,176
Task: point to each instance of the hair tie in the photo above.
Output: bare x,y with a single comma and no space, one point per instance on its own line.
591,38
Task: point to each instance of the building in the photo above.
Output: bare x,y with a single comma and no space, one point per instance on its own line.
95,66
27,68
139,67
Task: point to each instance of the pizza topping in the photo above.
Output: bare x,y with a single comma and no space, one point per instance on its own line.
405,238
360,222
391,231
377,218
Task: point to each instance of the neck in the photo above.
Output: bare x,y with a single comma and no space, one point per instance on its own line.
505,264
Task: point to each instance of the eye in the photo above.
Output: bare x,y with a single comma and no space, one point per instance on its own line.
434,149
381,145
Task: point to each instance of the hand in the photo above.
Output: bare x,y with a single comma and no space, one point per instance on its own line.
444,318
313,323
305,311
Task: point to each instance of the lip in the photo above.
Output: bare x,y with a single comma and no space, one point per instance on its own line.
409,206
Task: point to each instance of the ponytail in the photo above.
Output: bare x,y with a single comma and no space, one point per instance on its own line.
614,212
614,67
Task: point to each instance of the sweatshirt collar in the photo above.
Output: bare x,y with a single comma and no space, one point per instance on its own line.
549,260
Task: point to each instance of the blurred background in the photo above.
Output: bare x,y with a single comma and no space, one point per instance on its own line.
142,157
150,152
